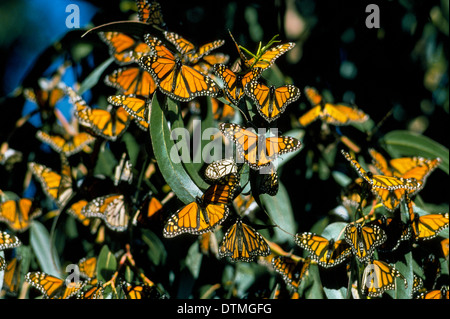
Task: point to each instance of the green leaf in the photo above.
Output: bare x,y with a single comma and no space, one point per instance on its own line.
280,211
156,250
194,260
92,79
106,264
173,172
406,143
44,250
405,267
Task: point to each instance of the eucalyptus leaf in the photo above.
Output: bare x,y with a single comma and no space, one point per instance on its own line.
92,79
106,264
44,250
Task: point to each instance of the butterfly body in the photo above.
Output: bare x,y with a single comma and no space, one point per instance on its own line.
363,239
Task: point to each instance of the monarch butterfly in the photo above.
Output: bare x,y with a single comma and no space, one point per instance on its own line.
137,107
222,111
243,243
19,214
124,48
151,206
271,102
132,80
207,62
378,277
112,209
383,181
234,84
245,204
206,212
249,147
442,293
110,124
326,252
12,276
137,291
191,55
351,195
94,292
267,58
406,167
69,146
8,241
88,267
178,81
52,287
56,186
292,271
335,114
268,180
428,226
444,245
44,98
150,12
396,232
363,239
75,211
220,168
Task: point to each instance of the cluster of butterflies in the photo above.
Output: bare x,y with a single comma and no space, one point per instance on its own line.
172,65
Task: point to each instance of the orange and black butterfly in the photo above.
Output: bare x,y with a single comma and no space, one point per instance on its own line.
378,277
207,62
363,239
258,152
271,101
292,271
94,292
112,209
75,211
222,111
242,242
52,287
190,54
150,12
57,186
19,214
88,267
427,226
235,83
396,232
326,252
220,168
45,98
12,279
384,182
150,208
442,293
141,291
178,81
351,195
206,212
132,80
7,241
335,114
444,246
69,145
109,124
136,107
124,48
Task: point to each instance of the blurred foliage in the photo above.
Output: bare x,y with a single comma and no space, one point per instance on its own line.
397,74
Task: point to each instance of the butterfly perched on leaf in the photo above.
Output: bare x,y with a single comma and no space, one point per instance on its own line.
190,54
335,114
150,12
396,231
242,242
109,124
19,214
132,80
112,209
52,287
379,183
124,48
257,151
271,101
427,226
234,84
206,212
326,252
69,145
378,277
57,186
292,271
173,78
363,239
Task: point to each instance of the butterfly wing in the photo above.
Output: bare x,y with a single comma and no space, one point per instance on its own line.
364,239
8,241
243,243
291,270
124,48
132,80
271,102
150,12
268,58
18,215
112,209
378,277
